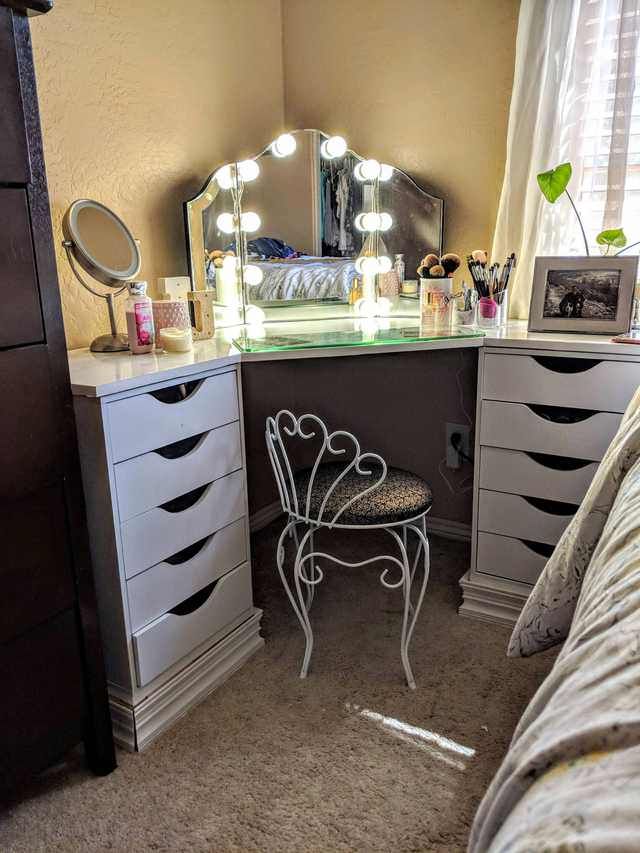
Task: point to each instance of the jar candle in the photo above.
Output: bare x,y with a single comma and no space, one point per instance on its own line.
176,340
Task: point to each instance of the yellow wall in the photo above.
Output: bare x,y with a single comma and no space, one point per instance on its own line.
139,101
422,84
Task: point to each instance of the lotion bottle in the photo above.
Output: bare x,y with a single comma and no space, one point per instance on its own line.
139,313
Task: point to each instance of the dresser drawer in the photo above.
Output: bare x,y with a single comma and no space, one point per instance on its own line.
536,475
149,480
584,383
519,427
157,534
158,589
532,519
152,420
513,559
212,613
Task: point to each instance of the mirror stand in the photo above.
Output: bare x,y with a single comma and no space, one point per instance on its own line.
116,341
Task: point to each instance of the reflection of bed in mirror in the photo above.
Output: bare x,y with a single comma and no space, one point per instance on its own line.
303,278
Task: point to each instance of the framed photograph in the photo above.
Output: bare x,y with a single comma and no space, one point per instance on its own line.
590,296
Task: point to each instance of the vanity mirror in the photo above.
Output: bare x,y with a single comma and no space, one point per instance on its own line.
307,223
101,244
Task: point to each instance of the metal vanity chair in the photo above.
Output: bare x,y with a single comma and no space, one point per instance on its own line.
358,492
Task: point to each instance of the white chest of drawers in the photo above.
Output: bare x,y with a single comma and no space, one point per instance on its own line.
544,420
165,482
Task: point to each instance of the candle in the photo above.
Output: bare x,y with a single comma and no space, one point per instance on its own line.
176,340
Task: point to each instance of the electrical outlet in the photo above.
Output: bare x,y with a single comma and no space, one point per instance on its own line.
454,459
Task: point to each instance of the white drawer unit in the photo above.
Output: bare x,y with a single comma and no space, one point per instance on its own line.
162,531
165,415
552,380
209,614
545,418
166,584
513,559
575,433
156,477
536,475
164,476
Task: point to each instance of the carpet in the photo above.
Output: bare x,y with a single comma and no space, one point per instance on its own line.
348,760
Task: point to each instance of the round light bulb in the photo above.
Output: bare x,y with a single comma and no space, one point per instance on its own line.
335,146
252,274
284,145
384,264
371,221
224,177
226,223
254,315
367,170
384,221
366,308
384,306
229,262
248,170
367,265
386,172
250,221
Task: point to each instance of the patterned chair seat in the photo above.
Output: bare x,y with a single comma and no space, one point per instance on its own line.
400,497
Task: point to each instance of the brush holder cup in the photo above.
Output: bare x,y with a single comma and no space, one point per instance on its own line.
436,305
493,312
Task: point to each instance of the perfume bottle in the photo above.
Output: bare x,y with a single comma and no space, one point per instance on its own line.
398,266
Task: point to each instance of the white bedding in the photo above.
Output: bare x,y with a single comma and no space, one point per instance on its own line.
304,278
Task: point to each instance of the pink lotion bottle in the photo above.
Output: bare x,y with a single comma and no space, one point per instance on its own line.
139,313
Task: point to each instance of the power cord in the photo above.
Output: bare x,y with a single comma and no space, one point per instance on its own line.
456,443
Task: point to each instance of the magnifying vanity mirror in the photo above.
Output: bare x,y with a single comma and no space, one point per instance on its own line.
100,243
308,223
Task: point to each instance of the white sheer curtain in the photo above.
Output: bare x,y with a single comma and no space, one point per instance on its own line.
574,98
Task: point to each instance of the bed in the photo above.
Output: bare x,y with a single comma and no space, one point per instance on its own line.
304,278
569,781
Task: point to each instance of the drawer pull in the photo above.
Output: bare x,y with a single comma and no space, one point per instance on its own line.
538,548
180,448
177,393
189,552
562,364
194,601
185,501
551,507
560,414
558,463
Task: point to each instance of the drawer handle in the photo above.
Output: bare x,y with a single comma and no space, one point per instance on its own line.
560,414
563,364
189,552
538,548
177,393
558,463
180,448
185,501
551,507
191,604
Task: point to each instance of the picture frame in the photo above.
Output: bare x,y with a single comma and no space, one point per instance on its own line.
583,295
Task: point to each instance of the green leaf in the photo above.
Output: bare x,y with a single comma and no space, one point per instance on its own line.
612,237
554,182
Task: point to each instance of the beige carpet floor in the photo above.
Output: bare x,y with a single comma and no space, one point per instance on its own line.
348,760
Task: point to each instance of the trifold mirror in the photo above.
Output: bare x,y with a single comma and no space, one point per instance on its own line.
309,224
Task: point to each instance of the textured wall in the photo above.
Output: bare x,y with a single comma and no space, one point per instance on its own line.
422,84
139,102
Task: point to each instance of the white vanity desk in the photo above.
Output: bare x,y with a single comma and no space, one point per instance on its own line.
162,447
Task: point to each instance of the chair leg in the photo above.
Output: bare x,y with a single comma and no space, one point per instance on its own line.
304,603
405,635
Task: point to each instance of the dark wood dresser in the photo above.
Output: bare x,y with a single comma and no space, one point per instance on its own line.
52,682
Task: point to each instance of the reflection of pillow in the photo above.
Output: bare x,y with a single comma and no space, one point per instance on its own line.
546,617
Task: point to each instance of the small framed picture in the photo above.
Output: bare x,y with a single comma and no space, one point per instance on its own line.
592,296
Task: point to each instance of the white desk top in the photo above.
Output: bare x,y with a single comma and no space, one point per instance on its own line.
101,374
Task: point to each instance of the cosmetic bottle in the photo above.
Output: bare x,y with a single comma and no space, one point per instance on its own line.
139,314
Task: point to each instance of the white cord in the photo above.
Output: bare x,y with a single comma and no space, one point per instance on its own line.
444,476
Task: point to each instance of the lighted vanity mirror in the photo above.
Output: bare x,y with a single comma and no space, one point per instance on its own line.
291,228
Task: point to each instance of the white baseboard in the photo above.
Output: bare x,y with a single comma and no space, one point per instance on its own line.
134,728
438,526
490,599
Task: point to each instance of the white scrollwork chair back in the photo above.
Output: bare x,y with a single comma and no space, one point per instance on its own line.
286,425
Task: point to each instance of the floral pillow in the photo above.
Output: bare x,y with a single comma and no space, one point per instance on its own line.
546,617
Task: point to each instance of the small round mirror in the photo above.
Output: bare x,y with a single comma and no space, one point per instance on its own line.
101,243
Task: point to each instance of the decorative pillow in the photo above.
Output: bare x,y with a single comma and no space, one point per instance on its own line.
546,617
